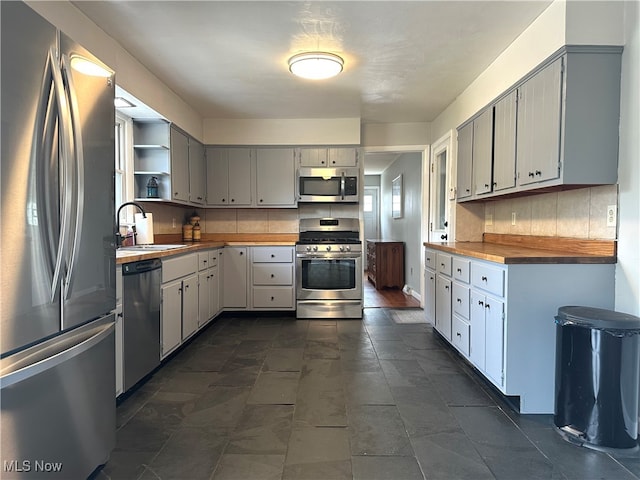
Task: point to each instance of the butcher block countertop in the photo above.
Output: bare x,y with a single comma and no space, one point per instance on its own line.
210,241
526,249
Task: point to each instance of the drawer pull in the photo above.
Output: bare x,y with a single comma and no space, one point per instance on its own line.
272,275
484,279
272,299
273,255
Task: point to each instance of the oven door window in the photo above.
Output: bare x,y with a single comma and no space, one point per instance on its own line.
320,187
329,274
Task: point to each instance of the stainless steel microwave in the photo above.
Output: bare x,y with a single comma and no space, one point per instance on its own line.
328,184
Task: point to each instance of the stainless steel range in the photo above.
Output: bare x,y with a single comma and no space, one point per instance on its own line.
329,268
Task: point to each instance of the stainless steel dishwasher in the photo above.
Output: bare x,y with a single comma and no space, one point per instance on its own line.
141,322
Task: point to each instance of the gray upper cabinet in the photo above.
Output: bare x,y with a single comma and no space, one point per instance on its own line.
504,143
328,157
275,177
556,127
228,176
465,159
539,115
197,172
482,152
179,166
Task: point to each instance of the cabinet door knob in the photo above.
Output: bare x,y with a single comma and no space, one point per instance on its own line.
261,200
272,299
458,334
446,287
486,305
273,255
484,279
224,200
233,200
480,302
539,173
486,185
459,270
459,300
272,275
531,174
241,253
444,237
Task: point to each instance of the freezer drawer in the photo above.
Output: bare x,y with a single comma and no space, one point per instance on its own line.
58,406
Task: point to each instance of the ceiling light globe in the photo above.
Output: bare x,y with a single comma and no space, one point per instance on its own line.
316,65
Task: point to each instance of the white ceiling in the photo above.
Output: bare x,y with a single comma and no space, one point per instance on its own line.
404,61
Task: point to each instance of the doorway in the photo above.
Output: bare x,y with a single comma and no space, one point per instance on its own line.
371,215
410,227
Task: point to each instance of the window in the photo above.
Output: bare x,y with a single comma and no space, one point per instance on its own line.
123,164
368,203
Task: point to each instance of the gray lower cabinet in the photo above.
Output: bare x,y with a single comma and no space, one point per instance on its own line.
208,286
501,317
234,271
272,278
179,293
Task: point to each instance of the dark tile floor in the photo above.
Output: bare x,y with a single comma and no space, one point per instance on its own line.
255,398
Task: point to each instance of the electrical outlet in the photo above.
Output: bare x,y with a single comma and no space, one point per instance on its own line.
612,215
513,218
488,219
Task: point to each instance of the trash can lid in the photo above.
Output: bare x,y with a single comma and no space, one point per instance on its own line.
597,318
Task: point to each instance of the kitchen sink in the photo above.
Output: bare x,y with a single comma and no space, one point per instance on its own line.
150,248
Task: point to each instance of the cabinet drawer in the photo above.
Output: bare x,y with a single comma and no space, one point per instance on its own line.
273,274
460,299
488,278
461,269
460,334
203,260
176,267
443,262
275,297
273,254
213,258
430,259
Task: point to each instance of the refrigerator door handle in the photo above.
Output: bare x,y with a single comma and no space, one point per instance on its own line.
76,162
55,353
66,148
44,158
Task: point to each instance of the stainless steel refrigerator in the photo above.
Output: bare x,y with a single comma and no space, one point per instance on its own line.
57,284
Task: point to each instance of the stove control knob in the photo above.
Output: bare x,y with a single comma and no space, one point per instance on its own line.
315,248
328,248
348,248
342,248
308,249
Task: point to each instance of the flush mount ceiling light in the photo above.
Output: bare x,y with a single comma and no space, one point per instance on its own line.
316,65
121,102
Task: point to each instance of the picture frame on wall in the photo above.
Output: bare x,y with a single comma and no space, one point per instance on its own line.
396,197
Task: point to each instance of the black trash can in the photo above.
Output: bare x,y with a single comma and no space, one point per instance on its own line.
597,378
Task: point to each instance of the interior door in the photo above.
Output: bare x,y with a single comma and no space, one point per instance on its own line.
371,214
440,166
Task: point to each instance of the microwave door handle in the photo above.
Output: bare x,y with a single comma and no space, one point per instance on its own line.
342,186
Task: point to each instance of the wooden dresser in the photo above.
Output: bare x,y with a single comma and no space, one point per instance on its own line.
385,263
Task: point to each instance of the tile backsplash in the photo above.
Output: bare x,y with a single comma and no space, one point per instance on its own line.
243,220
579,213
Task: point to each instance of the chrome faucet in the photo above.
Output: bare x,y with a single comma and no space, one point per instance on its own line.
118,235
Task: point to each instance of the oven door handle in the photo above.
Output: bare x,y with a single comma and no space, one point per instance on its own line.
329,256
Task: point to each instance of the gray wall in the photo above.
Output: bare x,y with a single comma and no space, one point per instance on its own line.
372,180
407,228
